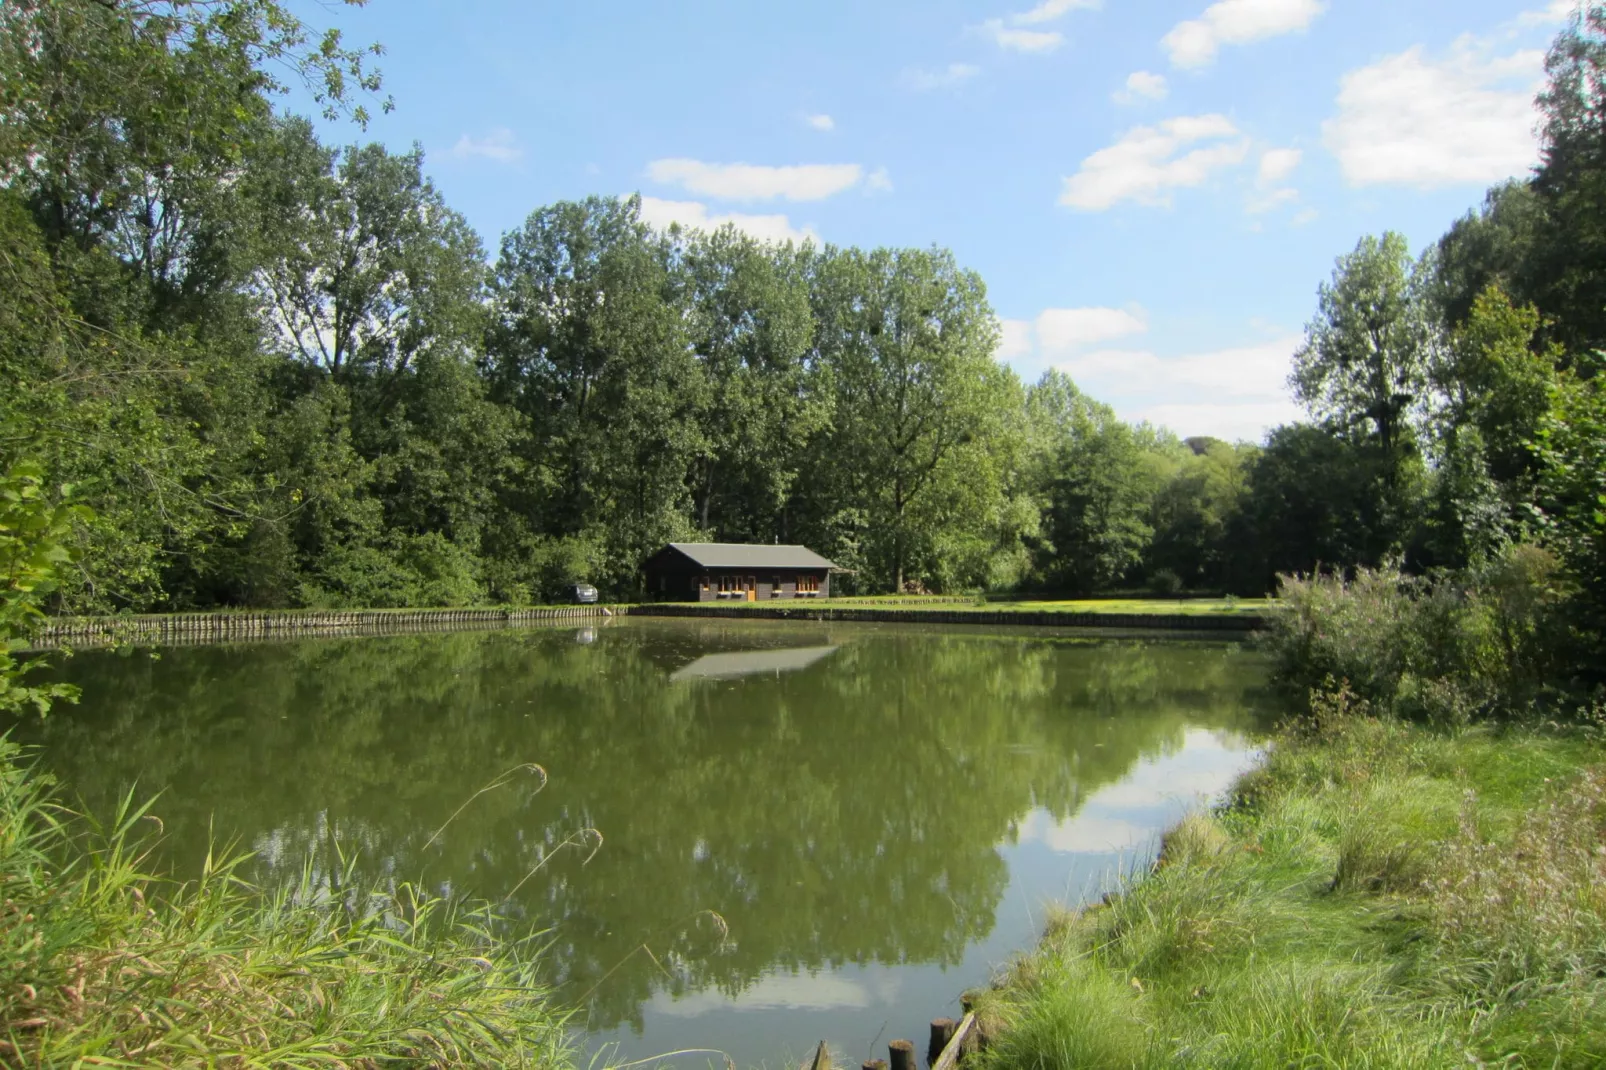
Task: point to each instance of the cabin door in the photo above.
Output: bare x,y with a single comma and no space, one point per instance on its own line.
752,589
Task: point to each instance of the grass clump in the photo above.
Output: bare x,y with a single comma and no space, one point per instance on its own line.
102,963
1378,894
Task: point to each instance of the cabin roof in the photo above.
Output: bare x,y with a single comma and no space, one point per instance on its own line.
750,555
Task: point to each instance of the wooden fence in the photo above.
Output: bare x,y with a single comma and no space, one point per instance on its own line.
176,628
950,1043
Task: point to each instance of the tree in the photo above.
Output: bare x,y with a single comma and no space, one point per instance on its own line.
366,266
1497,245
1195,513
753,336
1097,484
1572,492
1317,500
589,345
1571,180
1363,367
36,536
907,339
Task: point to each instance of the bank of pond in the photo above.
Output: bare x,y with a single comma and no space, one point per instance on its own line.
730,840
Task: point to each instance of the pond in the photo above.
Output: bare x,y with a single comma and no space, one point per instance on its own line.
806,831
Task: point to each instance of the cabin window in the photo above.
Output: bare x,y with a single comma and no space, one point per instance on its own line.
808,584
775,586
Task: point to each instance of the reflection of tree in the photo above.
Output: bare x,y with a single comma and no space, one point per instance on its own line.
848,812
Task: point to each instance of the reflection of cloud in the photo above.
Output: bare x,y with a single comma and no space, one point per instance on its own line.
781,991
1137,809
1085,833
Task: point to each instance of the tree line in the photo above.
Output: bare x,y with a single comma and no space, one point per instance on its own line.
286,373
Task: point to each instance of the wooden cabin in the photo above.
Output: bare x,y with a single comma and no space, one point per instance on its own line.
720,571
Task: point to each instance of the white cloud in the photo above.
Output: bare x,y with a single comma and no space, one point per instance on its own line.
880,181
1014,339
1237,393
1141,86
1194,43
1270,200
955,74
821,122
1411,120
1276,165
1148,162
1049,10
749,182
1062,330
499,145
1556,11
1018,40
696,216
1239,422
1270,194
1309,215
1230,393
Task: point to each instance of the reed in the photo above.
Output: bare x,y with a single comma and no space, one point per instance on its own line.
105,963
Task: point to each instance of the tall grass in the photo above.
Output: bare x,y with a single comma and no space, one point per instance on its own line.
1379,894
103,963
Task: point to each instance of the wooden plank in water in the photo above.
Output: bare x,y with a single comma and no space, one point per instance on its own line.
949,1059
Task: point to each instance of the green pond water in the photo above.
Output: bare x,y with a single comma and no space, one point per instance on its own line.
877,815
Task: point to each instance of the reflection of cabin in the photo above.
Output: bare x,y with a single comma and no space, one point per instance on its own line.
718,571
751,663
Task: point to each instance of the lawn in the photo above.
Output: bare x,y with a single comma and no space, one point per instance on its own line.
1147,606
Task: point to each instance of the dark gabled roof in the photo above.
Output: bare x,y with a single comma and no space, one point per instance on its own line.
753,556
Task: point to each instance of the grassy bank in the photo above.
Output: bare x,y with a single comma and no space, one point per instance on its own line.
103,964
1377,895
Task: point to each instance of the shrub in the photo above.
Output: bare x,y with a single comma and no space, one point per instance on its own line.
1445,649
1165,582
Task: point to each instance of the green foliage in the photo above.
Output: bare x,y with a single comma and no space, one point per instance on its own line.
1097,481
280,372
1355,519
1196,515
1491,643
1363,368
921,443
36,543
1572,449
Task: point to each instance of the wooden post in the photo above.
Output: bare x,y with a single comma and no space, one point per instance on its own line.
961,1041
942,1031
822,1058
902,1054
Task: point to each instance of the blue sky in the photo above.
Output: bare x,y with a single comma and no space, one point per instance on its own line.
1152,190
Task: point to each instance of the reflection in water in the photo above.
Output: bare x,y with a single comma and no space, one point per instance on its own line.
855,819
752,663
